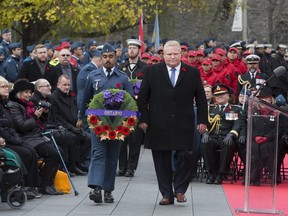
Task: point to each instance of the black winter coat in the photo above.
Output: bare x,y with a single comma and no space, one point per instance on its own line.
168,110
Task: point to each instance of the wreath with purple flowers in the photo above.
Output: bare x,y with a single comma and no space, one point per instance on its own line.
112,114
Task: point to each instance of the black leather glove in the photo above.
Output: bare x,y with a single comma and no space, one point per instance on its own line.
205,138
242,139
228,140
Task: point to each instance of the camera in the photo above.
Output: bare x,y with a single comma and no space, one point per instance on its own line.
44,104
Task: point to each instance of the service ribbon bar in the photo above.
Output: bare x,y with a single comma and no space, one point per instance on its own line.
123,113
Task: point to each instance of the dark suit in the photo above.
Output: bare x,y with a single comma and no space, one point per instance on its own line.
64,113
73,78
31,71
169,113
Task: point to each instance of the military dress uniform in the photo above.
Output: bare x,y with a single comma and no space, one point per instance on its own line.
264,131
249,79
104,155
128,159
12,68
224,121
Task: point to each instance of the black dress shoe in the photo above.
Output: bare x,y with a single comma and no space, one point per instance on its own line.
218,180
211,179
56,191
96,195
48,190
108,198
255,182
129,173
83,168
77,171
121,172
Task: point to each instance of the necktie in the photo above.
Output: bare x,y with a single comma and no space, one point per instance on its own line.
108,70
253,78
172,78
222,110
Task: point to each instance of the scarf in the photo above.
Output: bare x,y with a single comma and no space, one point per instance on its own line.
29,107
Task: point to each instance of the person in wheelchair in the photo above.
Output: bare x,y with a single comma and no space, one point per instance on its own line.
29,123
12,170
218,143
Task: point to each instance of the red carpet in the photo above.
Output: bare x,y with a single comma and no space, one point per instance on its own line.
260,197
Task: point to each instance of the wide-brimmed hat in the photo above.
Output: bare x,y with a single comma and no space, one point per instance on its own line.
21,85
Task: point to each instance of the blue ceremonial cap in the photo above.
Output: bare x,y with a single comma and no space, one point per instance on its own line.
48,45
76,44
90,42
280,100
5,30
149,45
96,53
15,45
64,40
108,48
117,46
30,48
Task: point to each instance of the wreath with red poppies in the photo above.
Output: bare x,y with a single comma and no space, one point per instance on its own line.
112,114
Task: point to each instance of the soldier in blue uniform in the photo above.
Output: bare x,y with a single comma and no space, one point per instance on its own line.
104,156
90,47
218,143
13,63
96,63
2,60
6,36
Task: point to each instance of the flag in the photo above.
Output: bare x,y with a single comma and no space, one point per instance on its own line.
156,35
237,25
141,33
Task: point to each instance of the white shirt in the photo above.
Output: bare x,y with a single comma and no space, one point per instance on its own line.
177,71
112,69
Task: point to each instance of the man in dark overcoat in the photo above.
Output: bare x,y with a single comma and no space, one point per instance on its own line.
166,102
39,67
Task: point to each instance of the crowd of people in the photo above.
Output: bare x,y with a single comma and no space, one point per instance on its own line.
49,91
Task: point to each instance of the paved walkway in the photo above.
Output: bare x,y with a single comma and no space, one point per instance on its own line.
138,196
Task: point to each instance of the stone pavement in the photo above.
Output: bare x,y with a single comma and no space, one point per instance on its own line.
137,196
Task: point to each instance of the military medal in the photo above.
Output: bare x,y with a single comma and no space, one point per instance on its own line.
96,84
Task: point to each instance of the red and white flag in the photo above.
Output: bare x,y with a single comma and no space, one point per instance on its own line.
141,32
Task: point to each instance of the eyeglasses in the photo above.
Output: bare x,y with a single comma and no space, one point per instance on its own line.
48,85
4,86
65,55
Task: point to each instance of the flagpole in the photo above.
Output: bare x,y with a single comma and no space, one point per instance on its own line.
141,32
